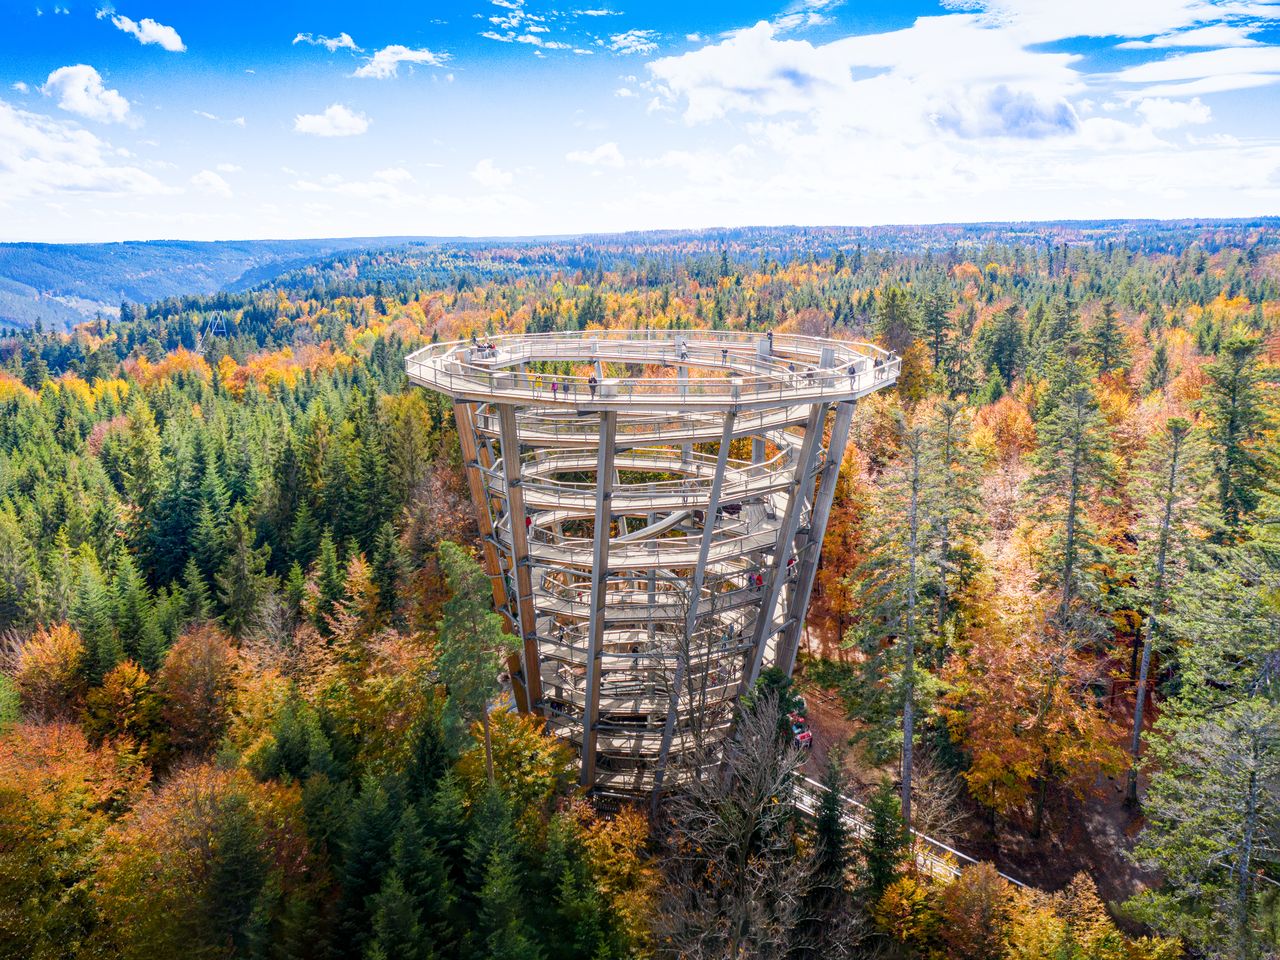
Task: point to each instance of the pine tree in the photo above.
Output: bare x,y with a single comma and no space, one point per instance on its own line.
93,615
242,579
1238,416
389,568
1163,484
197,604
397,933
896,320
935,316
209,539
472,641
1001,346
135,619
1073,469
1213,814
1107,342
886,845
1157,376
329,579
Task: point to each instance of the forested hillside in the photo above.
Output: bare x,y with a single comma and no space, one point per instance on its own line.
248,657
62,284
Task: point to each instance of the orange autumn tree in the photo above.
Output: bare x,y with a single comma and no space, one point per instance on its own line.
1021,704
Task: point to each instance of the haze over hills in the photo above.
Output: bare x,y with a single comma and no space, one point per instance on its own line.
65,284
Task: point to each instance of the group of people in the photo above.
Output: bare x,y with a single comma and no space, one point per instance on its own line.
487,350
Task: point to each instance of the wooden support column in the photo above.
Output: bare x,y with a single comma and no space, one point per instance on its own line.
691,615
808,565
802,476
464,416
510,440
599,592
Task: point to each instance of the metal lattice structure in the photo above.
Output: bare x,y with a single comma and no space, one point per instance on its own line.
652,505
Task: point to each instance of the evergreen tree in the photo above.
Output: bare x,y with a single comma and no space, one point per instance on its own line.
197,604
472,641
136,622
93,616
1108,345
330,582
1213,820
1238,416
242,579
1157,376
886,845
397,934
1001,346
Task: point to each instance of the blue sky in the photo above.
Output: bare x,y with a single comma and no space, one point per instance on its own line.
148,119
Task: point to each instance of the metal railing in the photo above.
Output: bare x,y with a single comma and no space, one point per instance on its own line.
463,369
933,857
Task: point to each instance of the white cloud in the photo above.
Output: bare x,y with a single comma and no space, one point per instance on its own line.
1043,21
605,155
488,175
695,37
228,168
599,12
342,41
634,41
21,87
80,90
149,31
624,92
1219,35
206,114
1233,61
385,63
394,175
943,74
41,156
238,121
1163,114
336,121
209,182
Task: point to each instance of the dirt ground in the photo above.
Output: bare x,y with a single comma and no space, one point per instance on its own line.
1090,835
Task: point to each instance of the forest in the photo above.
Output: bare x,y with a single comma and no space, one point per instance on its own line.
249,697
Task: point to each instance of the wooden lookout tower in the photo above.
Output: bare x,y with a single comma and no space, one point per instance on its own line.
652,505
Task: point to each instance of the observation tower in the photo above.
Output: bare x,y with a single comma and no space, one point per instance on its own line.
652,504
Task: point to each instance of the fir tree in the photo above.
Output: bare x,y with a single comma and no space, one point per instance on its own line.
1238,416
242,579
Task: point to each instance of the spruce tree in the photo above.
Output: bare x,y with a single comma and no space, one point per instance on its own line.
242,579
886,845
1238,415
472,641
1107,342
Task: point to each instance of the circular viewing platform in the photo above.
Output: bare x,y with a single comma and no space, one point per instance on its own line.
654,369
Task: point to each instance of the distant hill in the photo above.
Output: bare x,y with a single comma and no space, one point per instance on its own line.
64,284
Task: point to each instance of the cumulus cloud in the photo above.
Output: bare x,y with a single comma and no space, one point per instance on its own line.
209,182
80,90
42,156
342,41
149,31
634,41
21,87
605,155
336,121
385,63
1163,114
488,175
